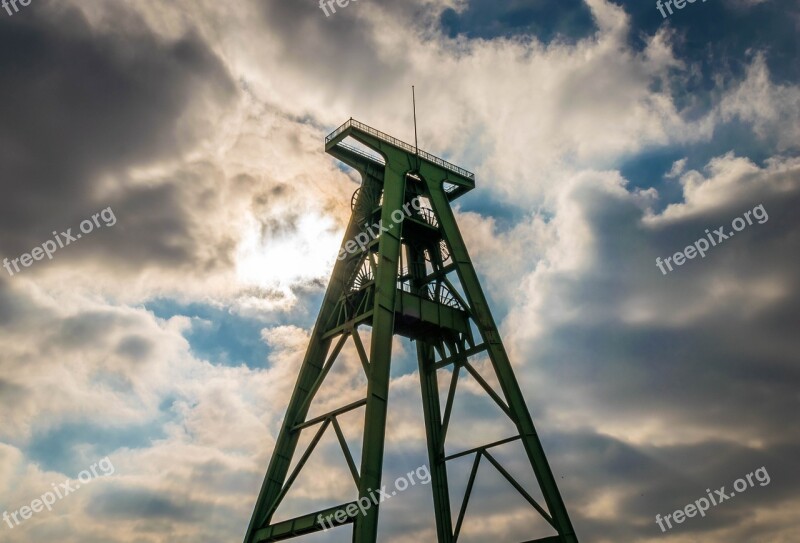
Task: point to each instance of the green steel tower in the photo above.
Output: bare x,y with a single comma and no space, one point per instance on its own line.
403,281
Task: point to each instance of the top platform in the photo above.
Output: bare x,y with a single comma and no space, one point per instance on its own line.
334,139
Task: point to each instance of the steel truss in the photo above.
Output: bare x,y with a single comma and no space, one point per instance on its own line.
404,281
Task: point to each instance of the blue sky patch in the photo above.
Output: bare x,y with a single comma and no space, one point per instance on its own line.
569,20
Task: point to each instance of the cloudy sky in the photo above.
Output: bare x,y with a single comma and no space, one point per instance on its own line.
603,136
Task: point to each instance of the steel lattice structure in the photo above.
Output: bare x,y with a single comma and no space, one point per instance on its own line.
402,282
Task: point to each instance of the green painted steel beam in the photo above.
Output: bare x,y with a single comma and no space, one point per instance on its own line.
304,525
366,527
425,314
435,442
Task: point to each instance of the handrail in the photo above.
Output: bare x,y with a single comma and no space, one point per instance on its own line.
399,143
376,157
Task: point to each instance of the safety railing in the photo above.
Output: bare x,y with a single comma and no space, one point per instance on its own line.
401,144
376,157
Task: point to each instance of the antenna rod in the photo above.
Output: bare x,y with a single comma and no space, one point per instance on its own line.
414,100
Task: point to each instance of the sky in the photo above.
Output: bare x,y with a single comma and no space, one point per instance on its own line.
160,347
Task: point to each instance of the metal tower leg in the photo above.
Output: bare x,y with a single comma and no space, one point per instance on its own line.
312,372
273,488
433,427
366,527
502,366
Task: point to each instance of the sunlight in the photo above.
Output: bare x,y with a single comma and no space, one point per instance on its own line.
282,262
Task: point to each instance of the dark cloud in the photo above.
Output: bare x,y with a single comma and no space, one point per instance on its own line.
11,394
130,503
16,311
135,347
80,103
643,481
341,50
84,328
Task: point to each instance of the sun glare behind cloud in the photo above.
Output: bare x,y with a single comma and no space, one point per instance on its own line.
284,261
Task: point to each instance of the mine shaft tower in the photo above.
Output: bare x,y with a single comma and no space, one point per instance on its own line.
402,282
